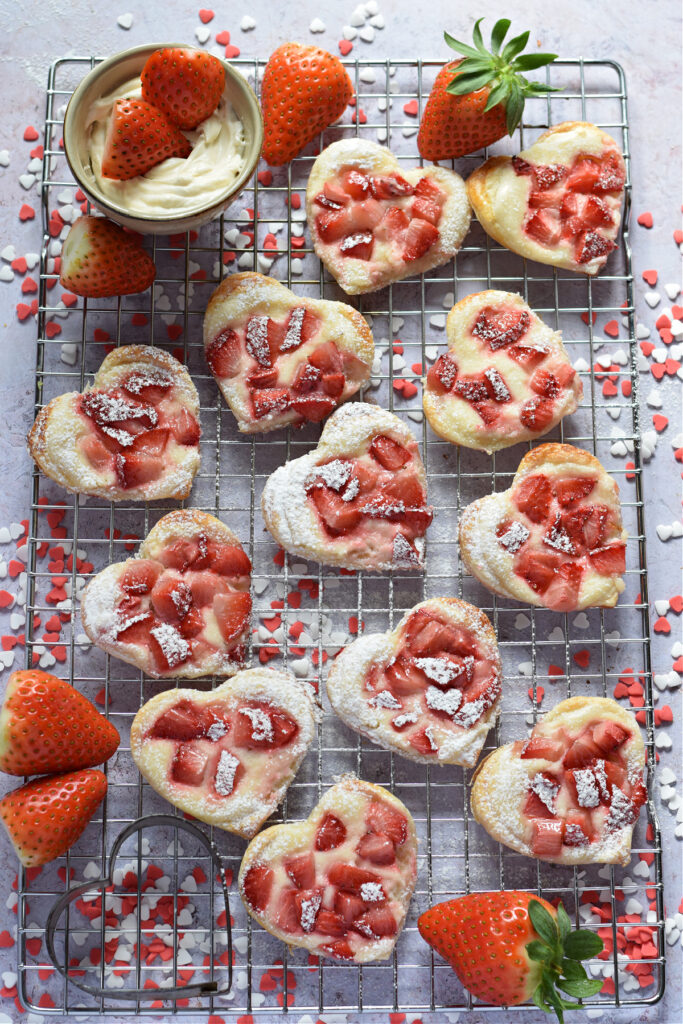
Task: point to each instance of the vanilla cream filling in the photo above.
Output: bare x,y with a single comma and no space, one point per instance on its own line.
174,186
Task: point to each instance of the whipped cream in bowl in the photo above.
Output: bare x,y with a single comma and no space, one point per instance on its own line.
177,194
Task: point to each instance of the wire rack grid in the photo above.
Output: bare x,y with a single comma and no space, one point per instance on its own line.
264,230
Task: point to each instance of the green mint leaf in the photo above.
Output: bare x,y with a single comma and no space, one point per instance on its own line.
499,33
563,922
582,944
542,921
476,37
581,989
531,61
463,48
573,970
515,46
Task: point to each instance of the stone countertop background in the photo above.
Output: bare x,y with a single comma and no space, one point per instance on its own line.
643,35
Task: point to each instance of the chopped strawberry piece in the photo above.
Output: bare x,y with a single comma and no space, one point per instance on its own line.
258,727
183,555
270,401
192,625
422,743
433,638
521,167
583,751
609,561
609,735
330,204
96,452
425,209
339,950
152,442
339,516
545,383
586,525
387,186
232,611
501,326
302,325
595,213
548,175
538,568
262,379
427,188
537,413
333,384
228,559
443,374
356,184
224,354
136,631
204,586
590,245
135,469
150,386
546,839
404,677
377,923
189,765
301,870
358,246
333,225
488,412
386,820
184,721
140,576
472,389
257,886
348,906
535,808
528,357
351,878
545,200
313,408
376,848
563,593
171,599
331,833
334,193
330,923
590,175
616,773
389,453
544,227
533,497
407,489
393,225
542,746
288,917
185,428
305,379
577,829
420,237
572,489
326,357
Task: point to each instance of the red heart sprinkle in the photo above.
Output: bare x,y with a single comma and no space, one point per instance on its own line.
630,465
651,277
657,371
666,713
223,38
582,658
609,389
662,321
206,16
174,331
645,220
612,329
27,212
138,320
555,670
23,310
30,134
19,265
52,329
676,604
659,422
662,625
232,51
647,348
626,388
678,236
584,317
410,108
345,47
265,177
672,366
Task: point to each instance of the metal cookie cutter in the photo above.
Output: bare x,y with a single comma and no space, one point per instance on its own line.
209,987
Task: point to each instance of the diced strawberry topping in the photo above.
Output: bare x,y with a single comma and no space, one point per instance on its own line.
389,453
333,384
135,469
334,193
443,374
301,870
189,765
313,408
183,721
171,598
538,568
140,576
377,923
388,186
425,209
577,829
228,559
393,225
331,833
609,735
583,751
590,245
258,727
422,742
153,442
521,167
339,950
326,357
537,413
563,593
595,213
351,878
472,389
348,906
359,246
386,820
534,807
339,516
270,401
546,200
263,379
542,746
96,452
420,237
546,838
544,227
427,188
356,184
548,175
533,497
404,677
376,848
224,354
528,357
501,326
257,885
609,561
305,379
572,489
545,383
232,611
330,923
185,428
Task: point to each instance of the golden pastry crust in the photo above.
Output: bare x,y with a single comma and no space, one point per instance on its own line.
501,782
349,799
240,296
455,419
359,276
53,438
268,773
102,594
291,518
455,743
492,564
499,196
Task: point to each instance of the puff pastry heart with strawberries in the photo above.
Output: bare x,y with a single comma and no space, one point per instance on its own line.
226,756
358,500
505,377
430,689
558,202
132,435
281,359
181,607
572,792
373,222
555,538
339,883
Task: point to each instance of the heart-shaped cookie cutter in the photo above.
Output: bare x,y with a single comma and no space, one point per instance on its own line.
209,987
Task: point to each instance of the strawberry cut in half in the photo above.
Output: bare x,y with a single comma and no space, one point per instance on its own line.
139,137
185,84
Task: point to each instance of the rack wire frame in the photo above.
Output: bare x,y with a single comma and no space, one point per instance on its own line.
456,856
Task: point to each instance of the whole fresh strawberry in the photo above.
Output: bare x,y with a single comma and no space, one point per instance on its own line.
100,258
45,817
480,98
185,84
139,136
304,90
47,726
508,947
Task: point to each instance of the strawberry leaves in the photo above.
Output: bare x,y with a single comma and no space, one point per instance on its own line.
559,950
499,72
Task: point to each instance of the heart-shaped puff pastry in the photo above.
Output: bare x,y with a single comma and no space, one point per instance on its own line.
373,222
281,359
558,202
555,538
226,756
132,435
338,884
359,500
430,689
571,793
505,377
181,607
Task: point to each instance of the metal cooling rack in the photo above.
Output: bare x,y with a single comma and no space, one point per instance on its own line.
537,646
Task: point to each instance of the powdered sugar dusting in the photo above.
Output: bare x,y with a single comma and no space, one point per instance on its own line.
309,912
403,552
371,892
174,646
620,812
257,340
441,670
225,773
499,386
385,699
292,338
216,730
586,788
261,723
513,538
448,702
545,790
333,474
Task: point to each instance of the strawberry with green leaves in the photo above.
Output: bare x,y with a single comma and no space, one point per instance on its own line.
139,136
48,726
46,817
508,947
479,98
100,259
185,84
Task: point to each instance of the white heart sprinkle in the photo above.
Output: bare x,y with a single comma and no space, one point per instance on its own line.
614,412
371,7
124,21
9,253
4,157
613,638
26,180
367,34
581,621
368,75
382,135
652,298
6,274
349,32
522,621
662,607
317,26
358,16
556,636
667,776
438,320
202,33
247,23
377,21
580,365
17,531
672,290
642,332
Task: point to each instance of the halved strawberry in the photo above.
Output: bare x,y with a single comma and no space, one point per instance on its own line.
232,611
420,237
339,516
609,561
546,840
224,354
544,227
533,497
301,870
377,923
257,886
387,186
331,833
139,136
376,848
443,374
189,765
389,453
134,469
351,878
100,259
185,83
572,489
386,820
